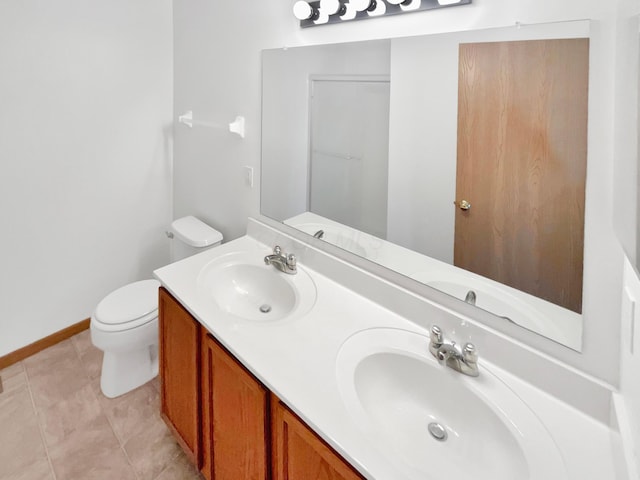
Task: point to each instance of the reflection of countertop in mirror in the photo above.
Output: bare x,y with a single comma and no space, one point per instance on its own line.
296,358
533,313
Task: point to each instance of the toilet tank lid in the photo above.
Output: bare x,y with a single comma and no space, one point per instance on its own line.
194,232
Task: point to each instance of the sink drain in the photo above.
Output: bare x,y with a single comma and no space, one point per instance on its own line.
437,431
265,308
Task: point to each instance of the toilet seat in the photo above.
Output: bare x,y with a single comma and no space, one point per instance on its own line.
128,307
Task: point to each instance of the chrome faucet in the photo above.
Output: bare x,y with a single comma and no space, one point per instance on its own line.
463,360
471,297
319,234
283,262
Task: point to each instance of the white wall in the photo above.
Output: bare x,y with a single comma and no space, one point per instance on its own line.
85,95
217,49
627,125
422,144
626,132
217,75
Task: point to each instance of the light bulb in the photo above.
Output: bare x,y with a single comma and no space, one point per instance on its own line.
303,11
330,7
397,2
322,17
349,12
410,5
361,5
448,2
380,9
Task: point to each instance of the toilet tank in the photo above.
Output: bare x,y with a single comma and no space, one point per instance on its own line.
191,236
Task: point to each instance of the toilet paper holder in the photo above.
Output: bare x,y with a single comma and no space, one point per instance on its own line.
237,126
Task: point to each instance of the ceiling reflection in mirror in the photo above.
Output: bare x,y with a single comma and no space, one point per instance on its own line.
373,147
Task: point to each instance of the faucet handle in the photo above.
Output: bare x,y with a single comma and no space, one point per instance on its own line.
291,261
436,335
470,353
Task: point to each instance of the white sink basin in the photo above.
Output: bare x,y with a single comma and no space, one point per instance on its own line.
340,237
525,310
494,299
241,286
396,392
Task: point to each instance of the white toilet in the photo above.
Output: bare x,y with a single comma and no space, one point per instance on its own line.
125,323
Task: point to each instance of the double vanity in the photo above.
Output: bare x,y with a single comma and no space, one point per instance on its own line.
293,364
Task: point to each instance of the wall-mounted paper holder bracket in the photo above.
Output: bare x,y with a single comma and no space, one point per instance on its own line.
237,126
186,119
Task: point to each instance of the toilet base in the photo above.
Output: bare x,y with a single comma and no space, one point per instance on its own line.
126,371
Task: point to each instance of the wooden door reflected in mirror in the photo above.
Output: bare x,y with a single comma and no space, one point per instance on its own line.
522,157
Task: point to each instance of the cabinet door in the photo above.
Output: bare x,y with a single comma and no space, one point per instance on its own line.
179,373
299,454
235,417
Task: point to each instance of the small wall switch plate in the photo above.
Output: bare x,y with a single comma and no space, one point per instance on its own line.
248,175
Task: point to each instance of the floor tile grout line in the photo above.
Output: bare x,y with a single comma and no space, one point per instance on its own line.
126,455
169,465
40,427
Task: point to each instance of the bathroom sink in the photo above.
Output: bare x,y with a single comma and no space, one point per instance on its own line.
345,238
514,306
241,286
435,422
496,299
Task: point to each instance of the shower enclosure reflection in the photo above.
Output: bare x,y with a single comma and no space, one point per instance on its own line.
349,144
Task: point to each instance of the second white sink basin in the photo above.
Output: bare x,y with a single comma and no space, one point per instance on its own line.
241,286
523,309
435,422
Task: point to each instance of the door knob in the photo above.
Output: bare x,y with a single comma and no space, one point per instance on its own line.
464,205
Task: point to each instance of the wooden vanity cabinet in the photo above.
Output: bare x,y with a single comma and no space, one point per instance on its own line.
235,417
299,454
179,369
229,424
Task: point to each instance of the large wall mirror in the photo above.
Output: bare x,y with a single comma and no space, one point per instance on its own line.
458,160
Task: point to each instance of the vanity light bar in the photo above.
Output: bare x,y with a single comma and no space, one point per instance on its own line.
321,12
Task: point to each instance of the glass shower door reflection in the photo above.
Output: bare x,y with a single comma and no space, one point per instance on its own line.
349,147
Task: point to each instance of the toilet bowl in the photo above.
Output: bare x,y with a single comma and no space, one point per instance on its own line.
125,323
125,327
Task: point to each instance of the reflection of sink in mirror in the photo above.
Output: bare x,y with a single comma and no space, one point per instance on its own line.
501,304
335,237
438,422
348,239
525,310
242,286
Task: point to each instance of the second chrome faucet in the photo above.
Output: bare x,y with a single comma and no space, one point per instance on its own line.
463,360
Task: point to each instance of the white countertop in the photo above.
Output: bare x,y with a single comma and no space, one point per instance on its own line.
296,360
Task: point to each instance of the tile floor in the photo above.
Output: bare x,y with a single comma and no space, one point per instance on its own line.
55,424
